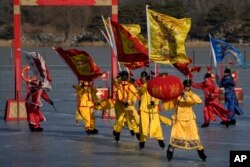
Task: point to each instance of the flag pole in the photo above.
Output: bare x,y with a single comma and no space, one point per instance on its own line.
110,43
149,52
148,34
107,39
113,57
156,69
114,44
149,42
106,28
112,36
214,58
110,40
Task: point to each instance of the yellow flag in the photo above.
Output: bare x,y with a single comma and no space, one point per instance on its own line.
140,43
167,38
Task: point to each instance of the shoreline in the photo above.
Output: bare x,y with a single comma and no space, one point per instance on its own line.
188,44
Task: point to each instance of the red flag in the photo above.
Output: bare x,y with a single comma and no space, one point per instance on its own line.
81,63
194,69
129,47
183,67
187,71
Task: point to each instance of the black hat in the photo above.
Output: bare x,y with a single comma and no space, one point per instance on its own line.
144,74
124,73
227,70
207,75
187,83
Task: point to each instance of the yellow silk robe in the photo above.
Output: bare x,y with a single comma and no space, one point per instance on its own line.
86,107
149,116
185,132
78,89
126,92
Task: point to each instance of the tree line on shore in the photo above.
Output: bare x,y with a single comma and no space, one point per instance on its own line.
225,19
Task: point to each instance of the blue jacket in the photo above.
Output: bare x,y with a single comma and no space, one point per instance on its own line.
231,101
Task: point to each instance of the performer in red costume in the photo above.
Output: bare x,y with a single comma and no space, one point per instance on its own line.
212,105
33,104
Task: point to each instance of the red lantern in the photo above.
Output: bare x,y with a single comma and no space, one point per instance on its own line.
165,87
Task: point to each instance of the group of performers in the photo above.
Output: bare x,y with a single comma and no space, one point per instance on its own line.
212,105
145,121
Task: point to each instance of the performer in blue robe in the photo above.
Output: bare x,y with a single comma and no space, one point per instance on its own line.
231,101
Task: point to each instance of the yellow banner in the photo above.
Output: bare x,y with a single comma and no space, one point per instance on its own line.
167,38
82,65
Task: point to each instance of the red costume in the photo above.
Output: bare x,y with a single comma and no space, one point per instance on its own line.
212,105
33,104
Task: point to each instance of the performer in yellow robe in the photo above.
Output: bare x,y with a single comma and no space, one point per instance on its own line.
78,89
150,125
87,102
125,107
118,105
184,132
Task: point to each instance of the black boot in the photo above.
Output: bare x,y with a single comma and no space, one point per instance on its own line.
141,145
89,132
226,123
161,143
117,136
39,129
94,131
170,152
36,129
132,133
232,122
137,136
33,128
205,125
202,154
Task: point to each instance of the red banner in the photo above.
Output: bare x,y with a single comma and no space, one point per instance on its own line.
128,50
81,63
187,71
183,67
